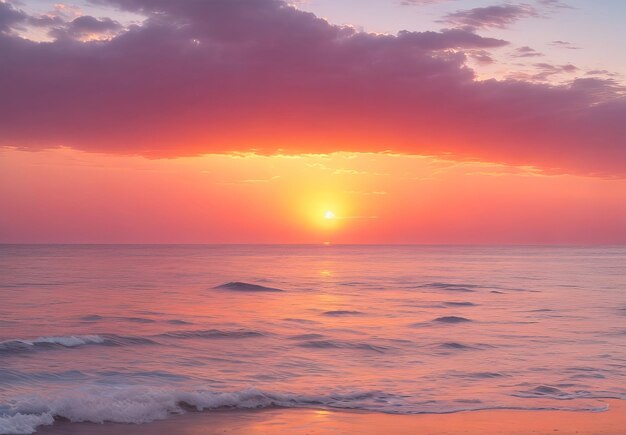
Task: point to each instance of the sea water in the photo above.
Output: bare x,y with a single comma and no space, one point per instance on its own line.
136,333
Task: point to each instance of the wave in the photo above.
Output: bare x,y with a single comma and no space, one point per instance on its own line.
485,375
303,321
468,288
337,313
178,322
11,376
18,345
311,336
548,391
454,345
68,341
134,404
246,287
460,304
213,333
92,318
451,319
136,319
462,288
335,344
353,283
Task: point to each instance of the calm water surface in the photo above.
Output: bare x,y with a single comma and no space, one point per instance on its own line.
135,333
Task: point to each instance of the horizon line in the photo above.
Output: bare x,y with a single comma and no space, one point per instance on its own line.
326,244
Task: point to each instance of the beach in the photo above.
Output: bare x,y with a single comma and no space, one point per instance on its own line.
309,421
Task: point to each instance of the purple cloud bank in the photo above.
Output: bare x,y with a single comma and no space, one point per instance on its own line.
241,75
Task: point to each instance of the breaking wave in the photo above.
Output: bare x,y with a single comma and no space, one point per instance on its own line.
138,404
143,404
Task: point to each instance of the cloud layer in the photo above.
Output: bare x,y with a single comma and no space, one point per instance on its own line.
490,16
241,75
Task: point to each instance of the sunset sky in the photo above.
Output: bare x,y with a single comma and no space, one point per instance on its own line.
311,121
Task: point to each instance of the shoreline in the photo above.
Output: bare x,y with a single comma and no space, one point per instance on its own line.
311,421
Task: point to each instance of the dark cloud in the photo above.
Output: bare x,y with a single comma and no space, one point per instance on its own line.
502,16
600,88
85,27
547,70
9,17
241,75
45,21
565,44
526,52
15,19
446,39
602,72
483,57
499,16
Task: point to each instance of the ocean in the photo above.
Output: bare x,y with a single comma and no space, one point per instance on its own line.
136,333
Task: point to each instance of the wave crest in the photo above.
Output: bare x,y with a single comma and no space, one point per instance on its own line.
67,341
213,333
133,404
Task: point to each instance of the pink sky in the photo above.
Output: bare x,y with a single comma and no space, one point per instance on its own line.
240,121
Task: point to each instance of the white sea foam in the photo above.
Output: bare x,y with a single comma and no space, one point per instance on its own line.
140,404
24,423
143,404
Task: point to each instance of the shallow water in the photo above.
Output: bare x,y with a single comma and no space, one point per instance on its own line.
135,333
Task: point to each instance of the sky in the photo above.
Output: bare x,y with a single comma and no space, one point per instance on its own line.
313,121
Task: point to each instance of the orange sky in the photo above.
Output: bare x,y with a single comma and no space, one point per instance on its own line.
142,121
69,196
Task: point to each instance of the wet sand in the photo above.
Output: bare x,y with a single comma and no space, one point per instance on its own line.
308,421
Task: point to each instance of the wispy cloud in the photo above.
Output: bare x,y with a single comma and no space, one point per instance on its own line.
526,52
500,16
565,44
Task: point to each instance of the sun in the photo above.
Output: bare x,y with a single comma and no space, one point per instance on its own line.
329,215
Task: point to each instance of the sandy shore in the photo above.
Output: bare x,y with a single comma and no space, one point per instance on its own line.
308,421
